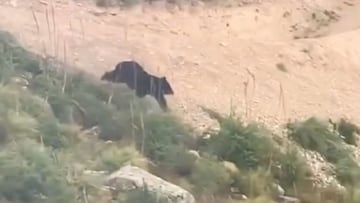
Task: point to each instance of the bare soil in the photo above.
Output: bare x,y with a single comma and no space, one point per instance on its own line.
272,60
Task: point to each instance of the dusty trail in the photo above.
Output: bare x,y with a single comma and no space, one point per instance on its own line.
207,54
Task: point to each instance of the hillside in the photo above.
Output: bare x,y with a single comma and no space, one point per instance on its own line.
298,59
206,52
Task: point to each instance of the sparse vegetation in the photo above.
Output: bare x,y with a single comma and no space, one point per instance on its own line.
51,130
210,177
348,131
29,174
315,135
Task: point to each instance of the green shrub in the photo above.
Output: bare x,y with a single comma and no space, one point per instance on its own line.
161,132
29,116
46,85
248,146
22,101
57,135
210,178
113,157
314,135
113,125
329,194
348,130
4,134
165,140
293,171
353,195
92,101
347,171
14,59
62,108
258,157
27,173
179,160
255,182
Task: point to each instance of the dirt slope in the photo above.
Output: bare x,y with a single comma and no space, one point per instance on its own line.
309,47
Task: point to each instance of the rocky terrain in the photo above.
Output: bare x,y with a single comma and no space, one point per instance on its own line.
269,61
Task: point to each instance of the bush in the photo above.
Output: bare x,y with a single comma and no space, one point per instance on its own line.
14,59
258,157
62,108
112,158
347,130
161,132
329,194
353,195
57,135
112,124
293,170
255,182
178,160
27,174
248,146
4,134
347,171
210,178
30,116
314,135
165,140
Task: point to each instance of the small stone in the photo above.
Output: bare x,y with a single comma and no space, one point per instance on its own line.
287,199
239,196
223,44
231,167
98,12
194,153
279,190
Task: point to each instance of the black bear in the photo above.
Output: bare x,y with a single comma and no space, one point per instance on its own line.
135,77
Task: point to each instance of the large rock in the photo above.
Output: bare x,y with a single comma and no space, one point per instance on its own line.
132,177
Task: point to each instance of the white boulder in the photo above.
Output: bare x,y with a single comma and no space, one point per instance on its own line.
132,177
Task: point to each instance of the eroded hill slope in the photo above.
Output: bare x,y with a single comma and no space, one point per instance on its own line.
298,58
